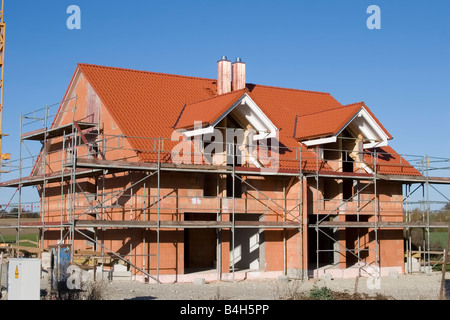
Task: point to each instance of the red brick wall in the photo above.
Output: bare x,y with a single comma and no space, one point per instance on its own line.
183,192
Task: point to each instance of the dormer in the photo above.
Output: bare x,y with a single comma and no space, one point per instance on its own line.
202,117
325,127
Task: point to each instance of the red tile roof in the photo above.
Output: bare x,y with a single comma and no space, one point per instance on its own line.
208,110
329,122
390,162
149,104
324,123
146,104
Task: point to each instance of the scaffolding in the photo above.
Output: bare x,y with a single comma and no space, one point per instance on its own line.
423,183
82,152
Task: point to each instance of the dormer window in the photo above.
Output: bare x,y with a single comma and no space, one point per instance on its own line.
325,126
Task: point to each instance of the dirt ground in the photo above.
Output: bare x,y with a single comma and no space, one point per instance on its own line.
406,287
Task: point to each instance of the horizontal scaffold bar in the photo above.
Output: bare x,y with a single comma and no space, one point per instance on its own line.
186,224
150,166
416,179
382,225
13,223
80,224
92,167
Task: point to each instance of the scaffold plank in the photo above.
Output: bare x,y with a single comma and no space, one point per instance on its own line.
114,164
416,179
185,224
342,175
384,224
42,134
34,180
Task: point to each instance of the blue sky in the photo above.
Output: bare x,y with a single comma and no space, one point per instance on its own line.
402,71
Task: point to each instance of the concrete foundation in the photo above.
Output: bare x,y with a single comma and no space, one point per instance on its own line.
354,271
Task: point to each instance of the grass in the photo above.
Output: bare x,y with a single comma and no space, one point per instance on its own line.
91,290
29,237
438,239
325,293
438,267
292,291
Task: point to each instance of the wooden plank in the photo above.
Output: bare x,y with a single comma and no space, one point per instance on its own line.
87,253
415,179
431,252
28,249
118,165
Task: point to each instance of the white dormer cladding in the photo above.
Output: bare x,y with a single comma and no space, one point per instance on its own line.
244,110
362,122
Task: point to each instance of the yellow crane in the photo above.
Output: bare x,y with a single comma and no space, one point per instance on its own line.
4,156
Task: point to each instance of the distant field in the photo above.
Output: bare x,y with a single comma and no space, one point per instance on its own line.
26,234
31,237
438,239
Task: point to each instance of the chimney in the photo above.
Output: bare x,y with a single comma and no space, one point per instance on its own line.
223,75
238,81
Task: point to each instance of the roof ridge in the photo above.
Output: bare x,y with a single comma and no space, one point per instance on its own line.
340,107
289,89
227,102
198,78
218,96
352,104
144,71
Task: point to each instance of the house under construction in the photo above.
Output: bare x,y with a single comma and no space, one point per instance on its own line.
170,175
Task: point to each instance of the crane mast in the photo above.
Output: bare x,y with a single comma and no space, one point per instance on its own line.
4,156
